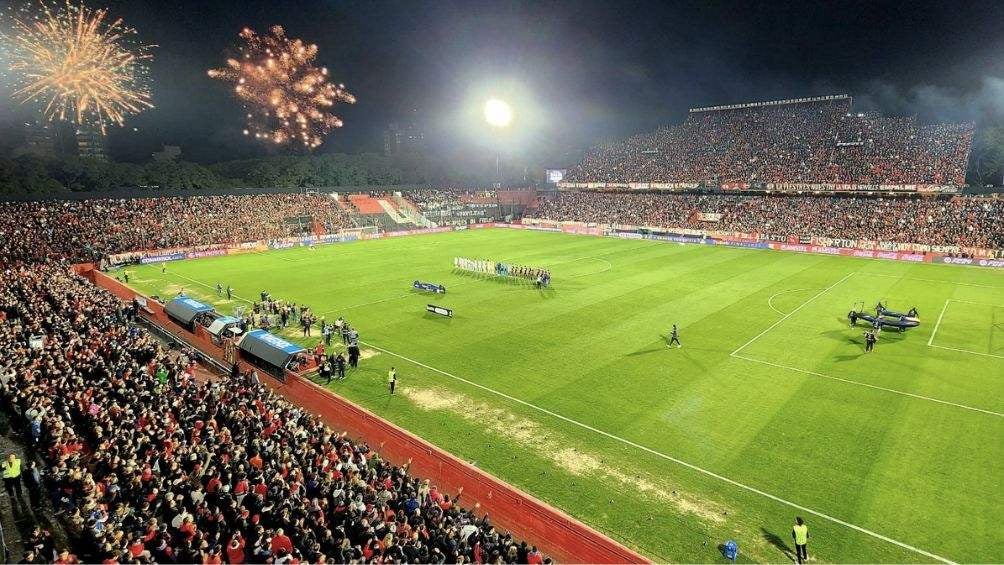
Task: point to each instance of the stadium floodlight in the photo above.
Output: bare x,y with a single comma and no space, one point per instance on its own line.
498,113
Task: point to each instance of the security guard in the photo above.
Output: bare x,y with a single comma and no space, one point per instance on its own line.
12,475
800,533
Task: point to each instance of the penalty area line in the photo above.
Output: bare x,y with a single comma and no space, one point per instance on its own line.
968,351
938,323
672,459
876,387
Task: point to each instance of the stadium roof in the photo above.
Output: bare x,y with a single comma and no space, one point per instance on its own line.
773,103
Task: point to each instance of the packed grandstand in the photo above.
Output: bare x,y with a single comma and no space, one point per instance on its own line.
146,462
147,458
224,468
804,141
89,230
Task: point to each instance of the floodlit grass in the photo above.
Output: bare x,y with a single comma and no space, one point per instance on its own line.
571,393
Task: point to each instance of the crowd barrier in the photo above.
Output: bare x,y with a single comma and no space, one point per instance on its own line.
557,534
825,246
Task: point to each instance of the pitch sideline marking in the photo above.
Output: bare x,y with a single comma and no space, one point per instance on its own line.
938,323
770,301
869,385
682,463
210,287
789,314
670,458
929,280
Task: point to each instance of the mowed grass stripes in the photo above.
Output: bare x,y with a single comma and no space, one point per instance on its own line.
887,458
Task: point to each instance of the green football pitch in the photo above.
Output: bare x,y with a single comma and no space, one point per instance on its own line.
771,408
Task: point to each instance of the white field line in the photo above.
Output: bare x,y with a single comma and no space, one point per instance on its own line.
210,287
770,301
691,466
928,280
968,351
789,314
680,462
930,342
608,267
213,288
976,303
938,323
875,387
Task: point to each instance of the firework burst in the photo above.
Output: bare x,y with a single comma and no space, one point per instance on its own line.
287,98
76,63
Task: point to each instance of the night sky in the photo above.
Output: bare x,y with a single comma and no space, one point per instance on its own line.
576,72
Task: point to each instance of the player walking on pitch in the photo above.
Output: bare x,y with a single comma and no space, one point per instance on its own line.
870,339
392,379
674,337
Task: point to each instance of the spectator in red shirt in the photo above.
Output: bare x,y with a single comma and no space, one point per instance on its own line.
280,542
235,550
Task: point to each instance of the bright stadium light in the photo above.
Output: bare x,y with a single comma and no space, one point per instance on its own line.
498,113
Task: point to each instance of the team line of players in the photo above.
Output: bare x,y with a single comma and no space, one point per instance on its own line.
541,277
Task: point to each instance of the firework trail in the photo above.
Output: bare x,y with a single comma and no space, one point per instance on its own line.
287,98
75,63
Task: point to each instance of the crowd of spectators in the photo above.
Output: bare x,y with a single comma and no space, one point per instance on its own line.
89,229
959,221
808,142
146,462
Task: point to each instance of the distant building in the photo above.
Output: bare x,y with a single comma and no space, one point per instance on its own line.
41,138
403,139
168,153
92,143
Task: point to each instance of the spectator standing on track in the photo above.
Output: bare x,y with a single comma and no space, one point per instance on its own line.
340,366
800,533
12,476
325,372
33,478
354,356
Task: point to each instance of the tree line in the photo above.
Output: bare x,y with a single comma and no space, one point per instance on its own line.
30,174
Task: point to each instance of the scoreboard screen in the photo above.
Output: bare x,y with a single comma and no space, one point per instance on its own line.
554,176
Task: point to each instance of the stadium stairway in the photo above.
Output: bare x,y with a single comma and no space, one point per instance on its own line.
412,213
391,210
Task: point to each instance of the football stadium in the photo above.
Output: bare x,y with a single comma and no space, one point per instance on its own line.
739,328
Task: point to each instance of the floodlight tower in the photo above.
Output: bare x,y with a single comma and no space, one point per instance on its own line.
498,114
